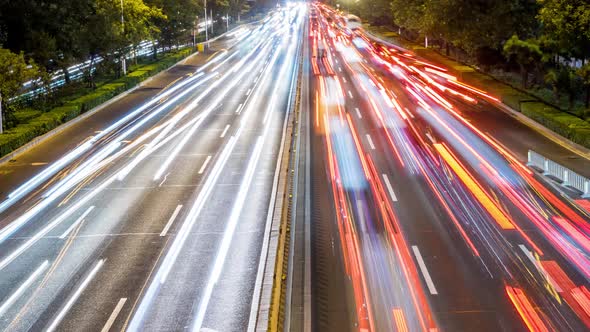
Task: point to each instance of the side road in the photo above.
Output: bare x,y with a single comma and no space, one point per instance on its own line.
27,162
504,122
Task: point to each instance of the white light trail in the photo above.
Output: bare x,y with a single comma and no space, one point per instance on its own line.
10,301
74,297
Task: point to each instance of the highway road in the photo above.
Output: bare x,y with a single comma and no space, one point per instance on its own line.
151,217
412,194
424,214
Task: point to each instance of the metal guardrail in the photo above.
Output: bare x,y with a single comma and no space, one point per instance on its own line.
568,177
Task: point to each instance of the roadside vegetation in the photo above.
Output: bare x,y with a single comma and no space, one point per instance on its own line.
539,47
39,39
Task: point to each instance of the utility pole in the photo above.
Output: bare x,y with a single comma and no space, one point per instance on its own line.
195,32
124,64
212,22
227,22
206,22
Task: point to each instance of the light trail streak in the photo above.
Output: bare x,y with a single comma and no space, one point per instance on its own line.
475,188
55,323
22,288
526,310
196,208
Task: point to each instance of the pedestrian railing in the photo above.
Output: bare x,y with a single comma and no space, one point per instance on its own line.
566,176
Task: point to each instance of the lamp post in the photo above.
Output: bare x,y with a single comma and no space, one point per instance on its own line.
1,113
206,22
195,32
123,62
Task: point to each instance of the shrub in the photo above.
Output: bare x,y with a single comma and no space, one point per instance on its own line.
567,125
35,123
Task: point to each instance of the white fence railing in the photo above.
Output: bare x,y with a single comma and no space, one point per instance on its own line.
568,177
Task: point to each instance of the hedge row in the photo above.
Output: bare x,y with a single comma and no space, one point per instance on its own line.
567,125
46,121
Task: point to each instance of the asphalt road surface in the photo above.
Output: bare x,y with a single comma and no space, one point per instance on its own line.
150,216
435,221
418,209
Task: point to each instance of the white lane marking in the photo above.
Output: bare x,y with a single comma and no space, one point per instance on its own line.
340,69
424,271
205,165
370,142
19,291
114,314
75,296
530,256
79,220
350,94
358,113
248,93
344,80
389,188
224,131
239,109
171,220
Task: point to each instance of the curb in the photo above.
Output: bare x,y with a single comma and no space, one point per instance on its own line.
546,132
270,314
276,312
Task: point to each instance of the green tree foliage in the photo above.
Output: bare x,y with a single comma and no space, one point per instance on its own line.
375,12
14,72
59,33
584,74
567,22
50,32
526,53
553,33
179,21
467,24
138,23
238,7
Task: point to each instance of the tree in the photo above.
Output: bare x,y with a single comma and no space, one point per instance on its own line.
375,12
584,73
180,19
526,53
14,72
106,36
471,25
568,23
237,8
50,31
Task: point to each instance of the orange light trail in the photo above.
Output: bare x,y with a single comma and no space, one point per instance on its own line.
400,320
474,188
526,310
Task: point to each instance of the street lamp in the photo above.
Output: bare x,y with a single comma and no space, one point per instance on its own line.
206,22
124,64
195,32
